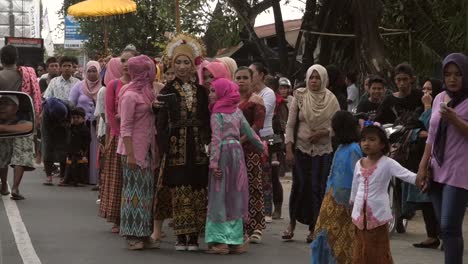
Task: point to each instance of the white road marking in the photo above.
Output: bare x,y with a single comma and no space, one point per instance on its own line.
23,241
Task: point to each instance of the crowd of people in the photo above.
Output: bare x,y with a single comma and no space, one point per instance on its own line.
158,139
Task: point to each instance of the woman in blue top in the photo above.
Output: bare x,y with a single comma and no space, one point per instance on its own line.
334,231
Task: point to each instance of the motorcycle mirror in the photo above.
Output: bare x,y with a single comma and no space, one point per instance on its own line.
17,117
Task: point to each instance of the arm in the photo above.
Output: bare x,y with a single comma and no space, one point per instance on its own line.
270,103
17,128
290,129
127,110
456,120
162,126
355,185
74,94
402,173
111,112
246,130
49,90
259,120
216,133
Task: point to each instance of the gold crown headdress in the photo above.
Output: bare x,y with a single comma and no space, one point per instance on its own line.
187,45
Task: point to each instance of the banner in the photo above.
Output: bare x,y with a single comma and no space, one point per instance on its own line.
73,37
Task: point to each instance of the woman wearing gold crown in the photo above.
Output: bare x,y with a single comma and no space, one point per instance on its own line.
183,126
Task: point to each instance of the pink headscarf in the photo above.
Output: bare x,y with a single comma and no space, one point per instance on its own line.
228,97
114,70
218,69
142,73
90,88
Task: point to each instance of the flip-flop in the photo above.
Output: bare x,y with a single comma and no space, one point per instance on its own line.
17,196
5,192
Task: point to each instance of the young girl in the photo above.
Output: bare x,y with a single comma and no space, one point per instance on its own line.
228,190
334,231
370,200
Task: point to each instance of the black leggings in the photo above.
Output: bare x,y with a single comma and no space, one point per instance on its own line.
277,187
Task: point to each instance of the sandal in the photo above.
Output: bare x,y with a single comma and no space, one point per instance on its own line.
237,249
17,196
115,229
256,237
152,243
135,244
48,181
6,192
219,249
287,235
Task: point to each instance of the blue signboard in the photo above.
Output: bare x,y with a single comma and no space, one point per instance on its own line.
73,37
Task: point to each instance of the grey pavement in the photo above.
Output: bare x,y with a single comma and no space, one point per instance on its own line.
64,228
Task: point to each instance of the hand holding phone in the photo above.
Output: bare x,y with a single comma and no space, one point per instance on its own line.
443,107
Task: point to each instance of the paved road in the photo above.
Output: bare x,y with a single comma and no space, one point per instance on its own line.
63,227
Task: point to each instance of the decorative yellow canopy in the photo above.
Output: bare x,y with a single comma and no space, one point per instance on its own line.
97,8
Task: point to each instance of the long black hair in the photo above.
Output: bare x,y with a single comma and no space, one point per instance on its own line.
345,127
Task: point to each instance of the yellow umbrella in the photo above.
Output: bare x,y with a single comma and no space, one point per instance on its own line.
96,8
102,8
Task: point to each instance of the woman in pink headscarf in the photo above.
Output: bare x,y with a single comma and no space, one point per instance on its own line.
214,70
111,184
138,149
114,70
228,192
84,94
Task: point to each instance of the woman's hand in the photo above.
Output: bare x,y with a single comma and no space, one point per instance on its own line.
421,179
449,114
131,162
158,104
427,100
217,173
289,157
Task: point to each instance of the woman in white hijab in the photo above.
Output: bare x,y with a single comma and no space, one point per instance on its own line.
309,148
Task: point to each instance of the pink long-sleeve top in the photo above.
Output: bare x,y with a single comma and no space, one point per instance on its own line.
137,121
112,102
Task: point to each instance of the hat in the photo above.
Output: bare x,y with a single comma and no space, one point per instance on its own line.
283,81
78,111
12,98
184,44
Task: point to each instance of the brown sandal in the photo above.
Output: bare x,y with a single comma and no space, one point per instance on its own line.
220,250
135,244
287,235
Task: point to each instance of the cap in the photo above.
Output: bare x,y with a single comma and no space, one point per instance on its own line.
13,98
283,81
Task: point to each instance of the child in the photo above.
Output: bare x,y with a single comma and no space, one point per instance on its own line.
77,149
334,231
369,195
228,191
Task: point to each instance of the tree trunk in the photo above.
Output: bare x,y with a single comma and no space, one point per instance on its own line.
367,15
281,38
308,24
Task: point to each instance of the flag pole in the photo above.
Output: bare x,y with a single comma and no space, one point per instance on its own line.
177,15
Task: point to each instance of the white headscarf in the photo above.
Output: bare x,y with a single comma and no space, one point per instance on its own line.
318,106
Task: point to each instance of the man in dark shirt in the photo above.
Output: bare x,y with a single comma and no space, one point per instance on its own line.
369,106
10,78
397,107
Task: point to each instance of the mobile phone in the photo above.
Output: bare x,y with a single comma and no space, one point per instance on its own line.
443,105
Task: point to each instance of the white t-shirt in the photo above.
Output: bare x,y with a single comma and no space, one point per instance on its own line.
353,95
269,99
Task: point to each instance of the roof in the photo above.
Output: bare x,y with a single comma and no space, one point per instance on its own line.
270,30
